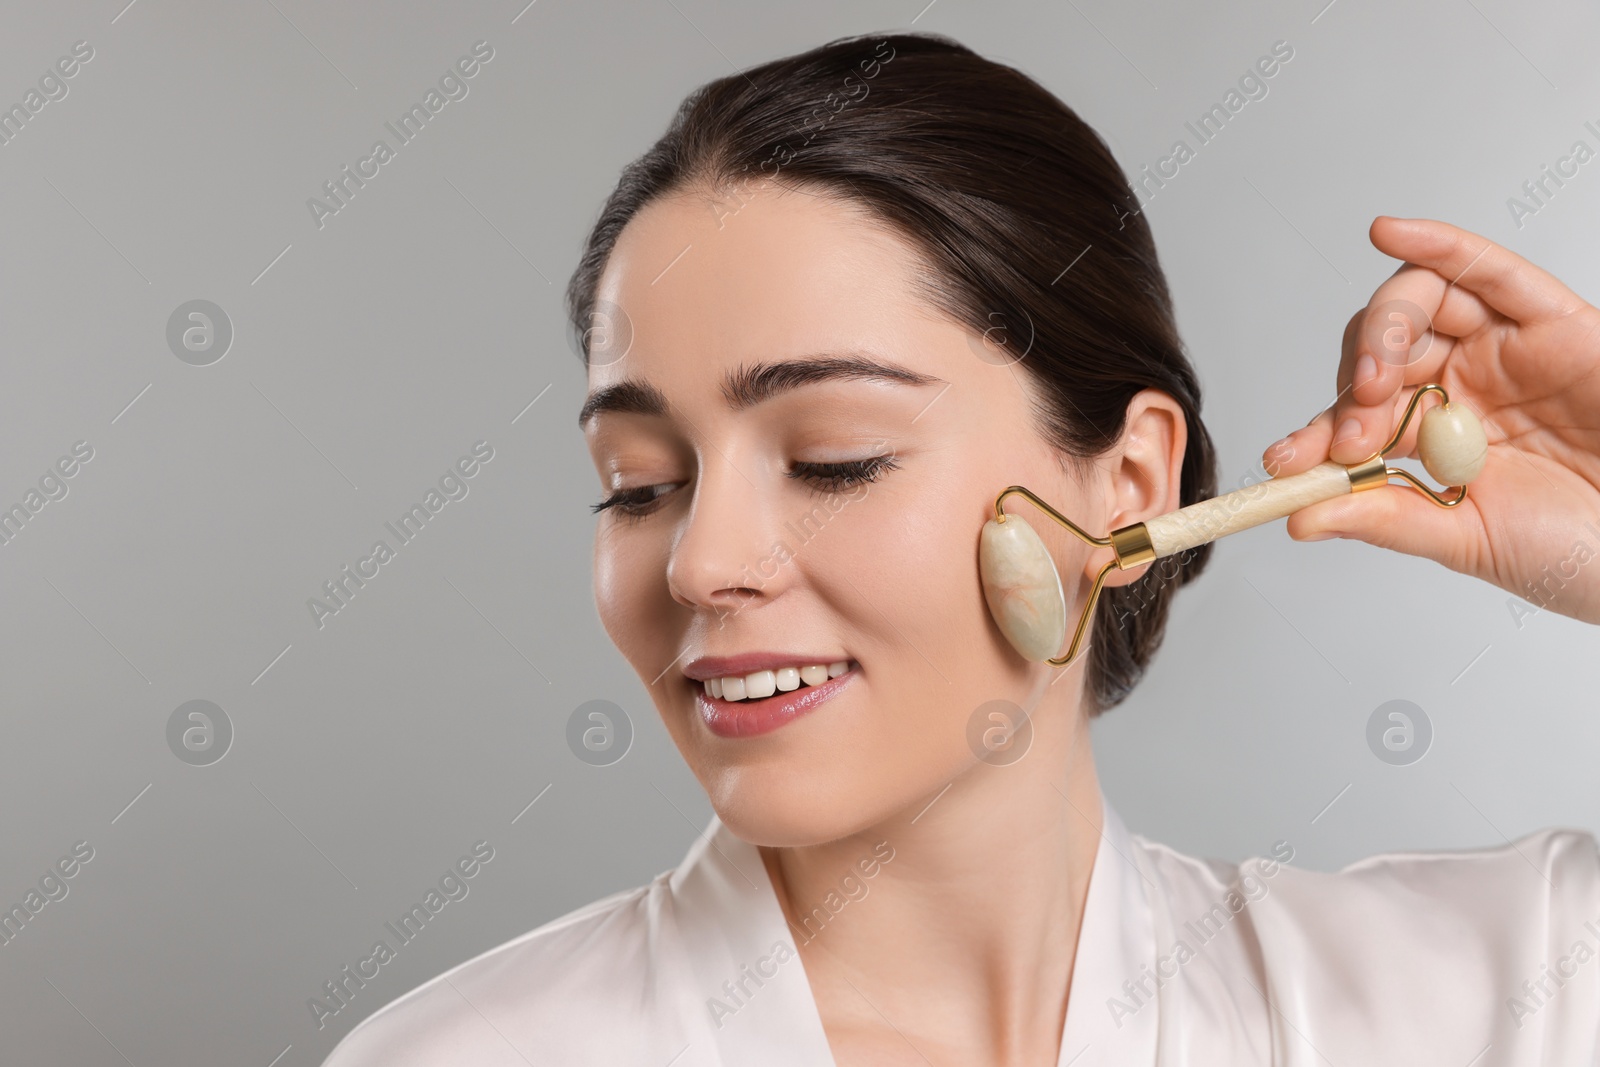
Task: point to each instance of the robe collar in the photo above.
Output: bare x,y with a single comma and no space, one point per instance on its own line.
748,985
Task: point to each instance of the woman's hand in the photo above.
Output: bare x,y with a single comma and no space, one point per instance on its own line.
1519,349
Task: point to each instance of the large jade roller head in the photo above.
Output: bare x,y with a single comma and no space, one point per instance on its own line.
1024,591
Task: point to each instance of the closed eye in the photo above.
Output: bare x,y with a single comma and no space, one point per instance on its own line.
639,501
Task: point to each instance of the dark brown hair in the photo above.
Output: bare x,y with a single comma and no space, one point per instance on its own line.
1030,232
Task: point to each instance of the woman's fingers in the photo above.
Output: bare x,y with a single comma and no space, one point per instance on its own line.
1452,284
1300,450
1393,339
1394,517
1506,282
1396,343
1312,443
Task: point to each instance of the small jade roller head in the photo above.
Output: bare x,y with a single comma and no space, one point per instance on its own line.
1451,444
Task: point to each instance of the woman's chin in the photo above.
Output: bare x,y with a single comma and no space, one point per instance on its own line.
788,827
802,812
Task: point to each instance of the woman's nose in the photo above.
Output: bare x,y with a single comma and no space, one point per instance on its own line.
728,555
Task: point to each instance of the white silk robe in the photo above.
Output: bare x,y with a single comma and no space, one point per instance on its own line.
1485,958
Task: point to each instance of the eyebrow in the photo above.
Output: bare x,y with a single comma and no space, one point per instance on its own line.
750,384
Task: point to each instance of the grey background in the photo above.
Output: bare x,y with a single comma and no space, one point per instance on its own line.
371,353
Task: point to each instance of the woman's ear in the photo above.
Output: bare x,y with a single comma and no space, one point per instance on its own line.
1142,475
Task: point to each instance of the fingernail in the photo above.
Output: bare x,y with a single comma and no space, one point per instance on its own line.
1366,370
1348,430
1323,536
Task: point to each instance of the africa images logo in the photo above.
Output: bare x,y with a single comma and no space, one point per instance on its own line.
341,189
453,485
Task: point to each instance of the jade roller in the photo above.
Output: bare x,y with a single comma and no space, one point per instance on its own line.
1024,591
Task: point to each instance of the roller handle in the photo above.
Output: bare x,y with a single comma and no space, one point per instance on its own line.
1204,522
1450,442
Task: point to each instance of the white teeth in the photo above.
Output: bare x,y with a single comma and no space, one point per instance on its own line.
759,684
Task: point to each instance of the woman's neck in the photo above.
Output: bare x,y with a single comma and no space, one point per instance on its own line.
950,930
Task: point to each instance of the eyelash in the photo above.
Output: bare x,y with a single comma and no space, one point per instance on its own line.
824,478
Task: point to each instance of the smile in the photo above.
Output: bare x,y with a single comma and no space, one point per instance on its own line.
736,701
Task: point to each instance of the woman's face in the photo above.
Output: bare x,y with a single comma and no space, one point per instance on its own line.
798,454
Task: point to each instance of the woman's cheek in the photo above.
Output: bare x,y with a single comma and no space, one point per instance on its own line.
628,582
609,586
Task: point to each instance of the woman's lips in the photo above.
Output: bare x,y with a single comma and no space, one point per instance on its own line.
748,718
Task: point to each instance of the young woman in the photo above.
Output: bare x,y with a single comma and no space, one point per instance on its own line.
845,300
